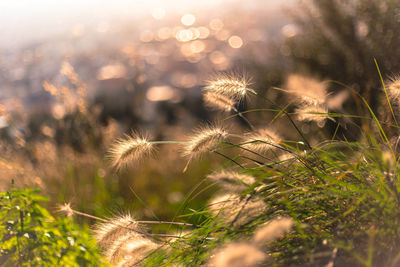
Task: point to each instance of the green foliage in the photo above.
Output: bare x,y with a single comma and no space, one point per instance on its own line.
31,236
342,195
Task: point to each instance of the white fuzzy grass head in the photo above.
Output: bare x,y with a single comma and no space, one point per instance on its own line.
263,140
231,85
273,230
130,150
237,255
122,238
393,89
66,209
235,210
129,250
307,90
317,113
118,227
219,101
231,180
204,140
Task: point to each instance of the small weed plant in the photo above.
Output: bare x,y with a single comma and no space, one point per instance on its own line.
30,236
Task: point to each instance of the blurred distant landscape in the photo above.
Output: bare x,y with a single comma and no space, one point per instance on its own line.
142,69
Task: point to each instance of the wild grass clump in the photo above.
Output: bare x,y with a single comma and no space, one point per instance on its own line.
313,201
289,193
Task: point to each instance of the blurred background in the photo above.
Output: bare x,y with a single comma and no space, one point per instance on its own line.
77,75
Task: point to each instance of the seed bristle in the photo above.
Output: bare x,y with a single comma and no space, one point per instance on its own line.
219,101
130,150
236,87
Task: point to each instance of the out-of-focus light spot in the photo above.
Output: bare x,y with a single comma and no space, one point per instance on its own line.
197,46
188,19
235,41
175,197
194,58
289,30
176,29
219,59
160,93
216,24
111,71
58,111
158,13
204,32
362,29
196,33
101,172
164,33
47,131
78,30
129,50
184,35
146,36
141,78
103,27
186,50
3,122
187,80
223,35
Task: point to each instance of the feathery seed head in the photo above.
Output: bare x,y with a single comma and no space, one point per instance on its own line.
317,113
135,248
232,86
66,208
263,140
231,180
130,150
308,90
393,89
219,101
122,238
237,255
116,228
273,230
206,139
233,209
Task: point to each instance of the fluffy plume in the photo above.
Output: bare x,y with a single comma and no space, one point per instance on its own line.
107,233
229,85
130,150
393,90
238,211
66,208
317,113
263,140
123,242
219,101
306,89
204,140
237,255
129,250
231,180
273,230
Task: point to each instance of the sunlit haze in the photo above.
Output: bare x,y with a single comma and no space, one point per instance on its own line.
25,20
